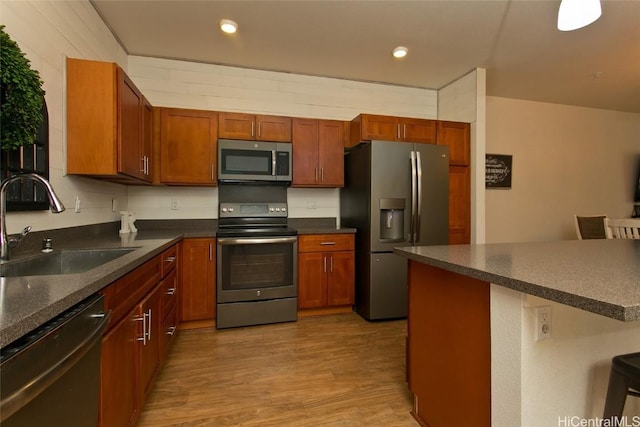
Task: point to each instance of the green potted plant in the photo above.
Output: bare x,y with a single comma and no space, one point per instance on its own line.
21,96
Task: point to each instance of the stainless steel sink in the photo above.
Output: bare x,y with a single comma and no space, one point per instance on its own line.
62,262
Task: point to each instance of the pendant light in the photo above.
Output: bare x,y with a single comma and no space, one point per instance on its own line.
574,14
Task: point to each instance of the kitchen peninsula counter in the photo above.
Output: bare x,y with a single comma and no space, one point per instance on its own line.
473,326
600,276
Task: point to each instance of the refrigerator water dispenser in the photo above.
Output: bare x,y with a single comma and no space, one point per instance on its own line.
392,220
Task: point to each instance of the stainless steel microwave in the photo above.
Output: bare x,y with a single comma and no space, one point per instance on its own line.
253,161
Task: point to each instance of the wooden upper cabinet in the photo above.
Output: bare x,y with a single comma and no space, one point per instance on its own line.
188,147
456,136
318,153
418,130
254,127
369,127
105,123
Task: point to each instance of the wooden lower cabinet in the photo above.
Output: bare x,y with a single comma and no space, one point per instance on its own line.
326,271
459,205
134,345
198,292
119,398
150,320
169,311
449,348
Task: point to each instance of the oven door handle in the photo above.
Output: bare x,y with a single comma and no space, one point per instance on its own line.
255,240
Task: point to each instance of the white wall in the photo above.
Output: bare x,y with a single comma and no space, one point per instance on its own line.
566,160
48,32
170,83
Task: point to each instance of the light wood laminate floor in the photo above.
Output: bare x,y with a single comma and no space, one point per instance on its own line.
337,370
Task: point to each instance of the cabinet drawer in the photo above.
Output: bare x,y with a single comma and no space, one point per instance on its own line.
169,292
169,260
325,242
123,294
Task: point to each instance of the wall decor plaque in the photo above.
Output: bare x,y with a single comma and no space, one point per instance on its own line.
498,171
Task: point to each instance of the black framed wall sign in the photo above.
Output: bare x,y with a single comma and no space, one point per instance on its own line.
498,171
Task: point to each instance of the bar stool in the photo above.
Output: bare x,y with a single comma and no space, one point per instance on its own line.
624,380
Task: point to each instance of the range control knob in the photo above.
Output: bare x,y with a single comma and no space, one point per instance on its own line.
230,209
224,210
277,209
284,209
271,209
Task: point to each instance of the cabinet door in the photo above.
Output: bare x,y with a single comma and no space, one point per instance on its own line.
379,127
456,136
236,126
305,152
331,153
119,398
312,280
459,205
273,128
341,278
149,310
418,130
198,293
147,140
130,160
188,143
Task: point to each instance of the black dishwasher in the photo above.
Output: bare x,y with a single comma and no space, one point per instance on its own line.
51,377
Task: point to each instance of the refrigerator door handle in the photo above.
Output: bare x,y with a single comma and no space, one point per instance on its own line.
419,196
414,198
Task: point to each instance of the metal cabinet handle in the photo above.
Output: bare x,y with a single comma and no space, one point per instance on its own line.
404,131
149,328
252,124
398,131
331,269
259,129
321,174
144,328
213,172
170,259
171,291
210,252
327,243
316,178
171,330
324,260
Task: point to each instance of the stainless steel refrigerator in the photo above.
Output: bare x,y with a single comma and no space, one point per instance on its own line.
395,194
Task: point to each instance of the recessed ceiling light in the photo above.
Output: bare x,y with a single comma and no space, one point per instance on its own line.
228,26
400,52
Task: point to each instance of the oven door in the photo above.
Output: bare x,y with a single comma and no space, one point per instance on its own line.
256,268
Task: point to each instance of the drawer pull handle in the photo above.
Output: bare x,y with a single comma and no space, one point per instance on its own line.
171,291
327,243
170,259
171,330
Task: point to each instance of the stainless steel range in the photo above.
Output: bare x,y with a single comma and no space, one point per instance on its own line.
257,256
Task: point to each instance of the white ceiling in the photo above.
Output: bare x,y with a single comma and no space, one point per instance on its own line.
526,57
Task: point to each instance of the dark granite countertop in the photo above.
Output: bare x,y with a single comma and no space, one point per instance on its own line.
600,276
30,301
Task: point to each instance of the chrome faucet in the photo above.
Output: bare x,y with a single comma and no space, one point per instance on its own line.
54,202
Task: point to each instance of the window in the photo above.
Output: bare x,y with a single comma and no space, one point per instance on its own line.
27,195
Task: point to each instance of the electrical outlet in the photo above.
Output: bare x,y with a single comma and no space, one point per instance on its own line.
174,204
543,322
114,205
77,205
